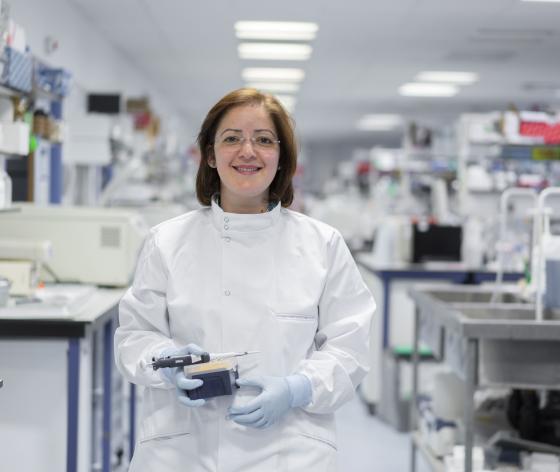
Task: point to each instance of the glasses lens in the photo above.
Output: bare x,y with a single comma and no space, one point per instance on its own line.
231,140
264,141
260,141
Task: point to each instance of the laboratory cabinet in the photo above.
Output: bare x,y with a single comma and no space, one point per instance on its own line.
393,328
62,396
486,341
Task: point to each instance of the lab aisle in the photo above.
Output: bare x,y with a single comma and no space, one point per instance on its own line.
366,444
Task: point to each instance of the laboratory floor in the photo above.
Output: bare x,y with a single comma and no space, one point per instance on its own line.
366,444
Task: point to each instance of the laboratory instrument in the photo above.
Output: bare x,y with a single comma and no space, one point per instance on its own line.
4,290
217,372
546,254
89,245
21,261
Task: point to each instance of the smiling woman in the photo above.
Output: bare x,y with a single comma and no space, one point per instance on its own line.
248,153
245,273
246,166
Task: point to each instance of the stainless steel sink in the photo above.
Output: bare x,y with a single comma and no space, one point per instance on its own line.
501,312
473,296
469,312
505,313
512,347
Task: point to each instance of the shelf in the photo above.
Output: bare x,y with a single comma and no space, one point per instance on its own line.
12,209
10,92
40,93
6,91
435,464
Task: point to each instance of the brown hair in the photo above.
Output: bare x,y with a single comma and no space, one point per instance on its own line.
207,178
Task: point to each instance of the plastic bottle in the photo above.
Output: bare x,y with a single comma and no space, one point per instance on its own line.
5,188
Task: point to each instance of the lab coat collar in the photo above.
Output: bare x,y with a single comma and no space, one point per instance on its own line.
227,222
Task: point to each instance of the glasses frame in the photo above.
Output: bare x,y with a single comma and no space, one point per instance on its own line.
243,140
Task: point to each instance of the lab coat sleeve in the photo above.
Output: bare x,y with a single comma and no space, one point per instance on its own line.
346,307
143,330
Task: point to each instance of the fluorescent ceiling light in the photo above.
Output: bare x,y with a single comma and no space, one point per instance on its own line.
290,87
273,74
276,30
461,78
287,101
379,122
274,51
416,89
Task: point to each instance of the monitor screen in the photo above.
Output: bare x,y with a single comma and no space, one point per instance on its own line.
109,103
436,243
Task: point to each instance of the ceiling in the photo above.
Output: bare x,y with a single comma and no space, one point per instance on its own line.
363,52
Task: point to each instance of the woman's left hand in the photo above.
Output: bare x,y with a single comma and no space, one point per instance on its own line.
266,408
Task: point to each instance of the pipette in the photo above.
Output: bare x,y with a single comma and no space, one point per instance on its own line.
191,359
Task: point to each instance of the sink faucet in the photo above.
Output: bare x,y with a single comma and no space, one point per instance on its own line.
506,196
538,228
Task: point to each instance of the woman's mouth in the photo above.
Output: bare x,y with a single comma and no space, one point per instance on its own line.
247,170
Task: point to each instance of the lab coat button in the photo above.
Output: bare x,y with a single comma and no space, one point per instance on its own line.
227,293
226,219
226,227
228,239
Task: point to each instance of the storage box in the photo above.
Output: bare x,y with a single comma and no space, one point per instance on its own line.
14,138
18,70
55,81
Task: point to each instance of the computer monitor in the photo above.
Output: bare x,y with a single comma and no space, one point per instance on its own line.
431,242
109,103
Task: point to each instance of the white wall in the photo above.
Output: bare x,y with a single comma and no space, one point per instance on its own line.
96,64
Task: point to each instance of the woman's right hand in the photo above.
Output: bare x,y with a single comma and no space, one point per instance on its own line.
176,375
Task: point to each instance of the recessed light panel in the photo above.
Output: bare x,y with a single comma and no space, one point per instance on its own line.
449,77
276,30
274,51
416,89
286,87
273,74
287,101
378,122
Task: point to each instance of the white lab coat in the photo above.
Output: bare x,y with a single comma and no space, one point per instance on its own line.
280,283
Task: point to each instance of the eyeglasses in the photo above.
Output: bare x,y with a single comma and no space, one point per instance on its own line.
263,142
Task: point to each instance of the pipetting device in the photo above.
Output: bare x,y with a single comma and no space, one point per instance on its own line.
218,371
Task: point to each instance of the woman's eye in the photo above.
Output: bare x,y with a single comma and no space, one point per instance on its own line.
264,140
231,140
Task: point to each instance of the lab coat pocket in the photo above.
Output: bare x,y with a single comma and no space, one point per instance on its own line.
324,441
295,335
164,417
163,436
296,317
313,439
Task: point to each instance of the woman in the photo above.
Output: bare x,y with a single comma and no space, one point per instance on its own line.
244,273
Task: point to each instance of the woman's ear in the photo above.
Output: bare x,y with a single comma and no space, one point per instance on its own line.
211,159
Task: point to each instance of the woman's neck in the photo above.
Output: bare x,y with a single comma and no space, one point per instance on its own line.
252,206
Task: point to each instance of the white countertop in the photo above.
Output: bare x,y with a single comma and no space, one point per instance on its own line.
97,302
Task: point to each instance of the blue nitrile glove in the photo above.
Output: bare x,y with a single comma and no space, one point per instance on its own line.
176,375
278,395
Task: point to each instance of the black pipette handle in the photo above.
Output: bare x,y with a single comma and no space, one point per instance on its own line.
180,361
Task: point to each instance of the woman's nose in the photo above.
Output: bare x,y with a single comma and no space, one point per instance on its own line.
247,148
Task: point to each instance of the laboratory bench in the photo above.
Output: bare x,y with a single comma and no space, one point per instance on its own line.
451,272
487,340
390,285
62,396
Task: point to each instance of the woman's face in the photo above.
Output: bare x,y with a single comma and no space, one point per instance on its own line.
246,153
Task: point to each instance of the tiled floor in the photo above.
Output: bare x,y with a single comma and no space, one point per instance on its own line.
366,444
